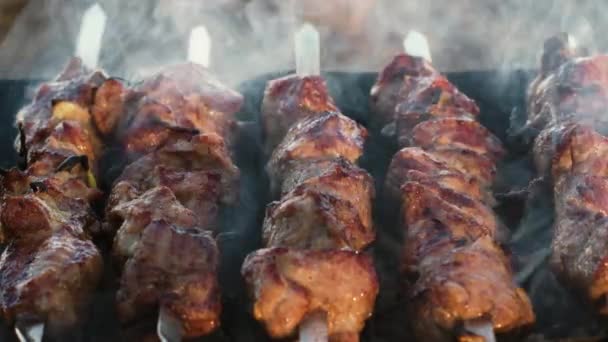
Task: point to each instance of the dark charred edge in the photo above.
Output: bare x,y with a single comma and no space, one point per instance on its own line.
4,172
22,162
70,162
38,186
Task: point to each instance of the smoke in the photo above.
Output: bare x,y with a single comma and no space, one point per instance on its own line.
253,37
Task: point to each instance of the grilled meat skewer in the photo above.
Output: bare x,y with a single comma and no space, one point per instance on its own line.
177,132
313,262
453,269
50,267
566,103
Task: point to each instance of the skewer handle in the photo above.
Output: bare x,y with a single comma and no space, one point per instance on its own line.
307,51
314,328
416,44
199,46
88,44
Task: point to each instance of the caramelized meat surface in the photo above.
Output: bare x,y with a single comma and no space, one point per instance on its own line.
399,77
431,98
289,284
457,133
130,218
179,99
414,163
52,279
175,268
288,100
467,283
327,136
311,219
200,161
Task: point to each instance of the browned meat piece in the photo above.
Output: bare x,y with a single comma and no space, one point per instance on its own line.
51,280
545,145
581,150
339,178
182,98
557,51
581,231
174,268
199,160
67,98
430,165
576,91
130,218
397,79
109,105
288,100
327,136
454,217
470,163
309,218
289,284
37,216
460,133
67,139
431,97
466,283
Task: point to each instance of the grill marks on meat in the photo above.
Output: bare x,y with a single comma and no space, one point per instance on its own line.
290,283
180,99
176,268
566,103
288,100
399,77
165,206
316,232
325,137
50,268
453,269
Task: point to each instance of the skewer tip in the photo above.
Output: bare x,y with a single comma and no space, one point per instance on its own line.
416,44
199,46
88,44
314,328
307,50
169,328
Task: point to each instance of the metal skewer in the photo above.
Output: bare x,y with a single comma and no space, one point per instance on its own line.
481,327
314,328
29,331
169,328
307,53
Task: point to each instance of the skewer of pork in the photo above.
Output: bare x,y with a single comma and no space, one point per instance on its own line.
50,267
566,103
459,280
164,207
313,275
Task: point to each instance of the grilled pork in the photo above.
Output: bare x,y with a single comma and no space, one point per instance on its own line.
316,232
165,206
453,269
50,267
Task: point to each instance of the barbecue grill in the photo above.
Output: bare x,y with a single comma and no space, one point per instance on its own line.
501,97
